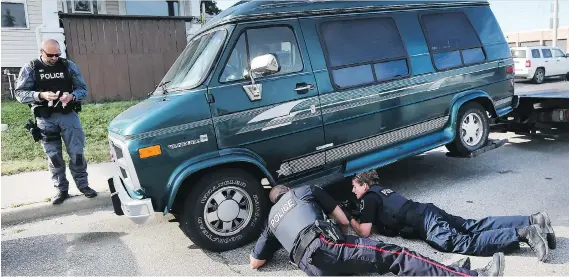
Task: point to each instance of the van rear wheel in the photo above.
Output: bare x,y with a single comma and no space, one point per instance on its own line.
224,211
472,129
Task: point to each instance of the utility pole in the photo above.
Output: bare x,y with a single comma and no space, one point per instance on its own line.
555,21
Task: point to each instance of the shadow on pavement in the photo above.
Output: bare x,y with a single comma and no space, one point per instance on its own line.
97,253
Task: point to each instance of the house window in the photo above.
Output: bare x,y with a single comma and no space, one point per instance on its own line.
14,14
84,6
153,8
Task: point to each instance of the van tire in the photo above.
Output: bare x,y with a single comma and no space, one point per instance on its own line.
539,76
473,111
251,209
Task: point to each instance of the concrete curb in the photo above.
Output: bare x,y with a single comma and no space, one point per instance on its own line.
36,211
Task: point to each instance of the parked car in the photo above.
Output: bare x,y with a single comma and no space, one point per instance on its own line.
300,93
540,62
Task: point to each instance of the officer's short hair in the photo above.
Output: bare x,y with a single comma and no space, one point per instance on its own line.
369,177
277,191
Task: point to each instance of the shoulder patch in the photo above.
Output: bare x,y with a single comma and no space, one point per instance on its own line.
386,192
282,211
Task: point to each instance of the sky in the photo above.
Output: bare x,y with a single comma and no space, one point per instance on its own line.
513,15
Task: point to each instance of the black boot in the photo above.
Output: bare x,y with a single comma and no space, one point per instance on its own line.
59,197
535,237
542,219
462,263
494,268
89,192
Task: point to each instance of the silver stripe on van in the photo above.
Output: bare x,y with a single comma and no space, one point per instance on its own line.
385,139
169,130
359,147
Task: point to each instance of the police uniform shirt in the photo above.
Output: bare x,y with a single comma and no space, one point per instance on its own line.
268,244
370,207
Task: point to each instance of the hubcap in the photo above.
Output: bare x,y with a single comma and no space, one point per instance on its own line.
472,129
540,76
228,211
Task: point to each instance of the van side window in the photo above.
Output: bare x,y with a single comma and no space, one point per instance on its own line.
546,53
452,40
374,53
279,41
535,54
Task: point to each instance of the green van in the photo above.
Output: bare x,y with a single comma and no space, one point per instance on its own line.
305,92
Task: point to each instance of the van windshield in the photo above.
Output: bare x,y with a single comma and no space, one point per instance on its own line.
193,63
519,53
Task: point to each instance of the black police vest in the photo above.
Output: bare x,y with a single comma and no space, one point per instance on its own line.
392,204
53,78
291,214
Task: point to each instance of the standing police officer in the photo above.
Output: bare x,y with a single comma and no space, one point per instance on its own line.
396,215
53,87
297,222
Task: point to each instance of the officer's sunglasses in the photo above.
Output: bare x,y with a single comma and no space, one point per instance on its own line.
51,55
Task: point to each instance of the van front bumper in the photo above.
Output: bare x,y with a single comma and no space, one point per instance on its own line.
137,210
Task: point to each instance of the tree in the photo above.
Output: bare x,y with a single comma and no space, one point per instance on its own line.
211,7
9,20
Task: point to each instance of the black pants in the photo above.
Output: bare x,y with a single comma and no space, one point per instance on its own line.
363,255
484,237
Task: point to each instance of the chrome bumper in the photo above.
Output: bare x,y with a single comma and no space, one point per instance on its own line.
137,210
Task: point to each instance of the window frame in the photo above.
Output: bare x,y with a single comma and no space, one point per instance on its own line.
238,37
431,53
371,63
91,10
25,2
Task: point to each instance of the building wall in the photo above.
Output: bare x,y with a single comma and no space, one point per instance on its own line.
112,6
540,38
19,45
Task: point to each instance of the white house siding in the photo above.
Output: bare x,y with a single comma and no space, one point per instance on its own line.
19,45
112,7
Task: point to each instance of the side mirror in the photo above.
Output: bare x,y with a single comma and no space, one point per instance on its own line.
265,65
261,65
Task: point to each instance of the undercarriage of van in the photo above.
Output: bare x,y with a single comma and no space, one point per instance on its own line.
540,114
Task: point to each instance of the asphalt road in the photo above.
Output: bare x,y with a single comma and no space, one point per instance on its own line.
523,86
522,177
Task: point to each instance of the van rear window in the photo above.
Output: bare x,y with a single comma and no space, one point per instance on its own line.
452,40
519,53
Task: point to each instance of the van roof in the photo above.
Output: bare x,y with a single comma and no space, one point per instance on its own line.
262,10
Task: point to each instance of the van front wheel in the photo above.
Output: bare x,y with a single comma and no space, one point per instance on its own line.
472,129
224,211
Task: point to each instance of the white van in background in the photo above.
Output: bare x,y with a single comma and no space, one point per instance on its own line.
539,62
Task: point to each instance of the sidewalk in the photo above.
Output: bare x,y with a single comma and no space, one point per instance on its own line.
24,195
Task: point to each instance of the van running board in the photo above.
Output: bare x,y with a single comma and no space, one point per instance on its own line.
323,181
492,144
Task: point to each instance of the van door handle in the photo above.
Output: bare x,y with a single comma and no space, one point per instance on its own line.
302,88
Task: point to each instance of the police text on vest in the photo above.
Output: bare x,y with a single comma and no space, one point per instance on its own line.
285,208
48,76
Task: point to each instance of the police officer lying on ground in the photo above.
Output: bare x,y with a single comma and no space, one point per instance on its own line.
297,222
53,87
394,215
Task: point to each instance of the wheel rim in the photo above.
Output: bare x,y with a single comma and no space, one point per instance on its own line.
540,76
228,210
472,129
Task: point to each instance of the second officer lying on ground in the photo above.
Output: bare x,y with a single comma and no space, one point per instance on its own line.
396,215
318,247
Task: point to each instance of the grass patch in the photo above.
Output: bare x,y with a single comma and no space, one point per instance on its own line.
20,153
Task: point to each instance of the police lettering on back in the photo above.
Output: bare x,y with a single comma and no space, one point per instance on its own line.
49,76
285,208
